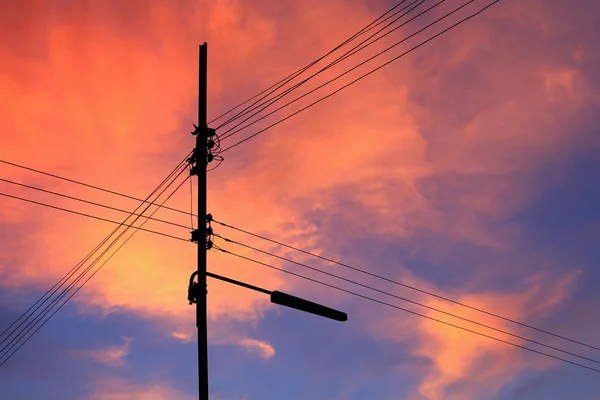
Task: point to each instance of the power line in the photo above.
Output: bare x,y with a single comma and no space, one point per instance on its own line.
347,54
293,75
360,77
87,201
410,311
407,300
229,133
290,77
87,184
73,270
87,280
69,274
406,285
341,58
85,215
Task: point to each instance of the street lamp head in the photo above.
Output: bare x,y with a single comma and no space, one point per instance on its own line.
288,300
280,298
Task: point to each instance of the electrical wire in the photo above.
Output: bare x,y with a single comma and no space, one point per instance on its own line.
359,78
69,274
407,300
79,288
78,279
229,133
293,75
87,202
87,215
87,184
220,161
341,58
344,56
405,285
409,311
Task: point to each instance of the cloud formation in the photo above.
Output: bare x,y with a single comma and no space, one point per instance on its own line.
117,389
111,355
262,349
420,171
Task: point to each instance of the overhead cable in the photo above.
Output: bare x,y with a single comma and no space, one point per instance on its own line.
8,354
408,300
349,53
358,79
293,75
407,286
262,105
87,202
85,214
87,184
44,298
410,311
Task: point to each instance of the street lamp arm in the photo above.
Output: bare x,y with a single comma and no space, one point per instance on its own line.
280,298
246,285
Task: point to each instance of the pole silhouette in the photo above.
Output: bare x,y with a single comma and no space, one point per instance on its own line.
197,292
201,165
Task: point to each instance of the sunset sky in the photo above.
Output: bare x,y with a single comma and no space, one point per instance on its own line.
468,168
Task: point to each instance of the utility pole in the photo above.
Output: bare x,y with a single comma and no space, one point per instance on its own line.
197,292
201,157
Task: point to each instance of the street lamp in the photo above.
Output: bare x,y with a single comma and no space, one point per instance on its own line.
277,297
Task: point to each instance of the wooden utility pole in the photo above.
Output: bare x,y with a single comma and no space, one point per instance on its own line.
197,293
201,153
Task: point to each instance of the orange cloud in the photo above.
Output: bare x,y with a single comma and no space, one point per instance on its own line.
108,110
481,364
109,100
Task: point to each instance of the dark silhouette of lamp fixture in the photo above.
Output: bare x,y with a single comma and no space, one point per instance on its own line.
277,297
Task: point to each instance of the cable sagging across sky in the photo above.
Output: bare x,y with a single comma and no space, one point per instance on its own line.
364,75
8,350
82,201
87,184
273,88
84,214
407,300
409,311
398,283
261,106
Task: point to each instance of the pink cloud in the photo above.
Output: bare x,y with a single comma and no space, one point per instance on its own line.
118,389
456,356
258,347
419,144
111,355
